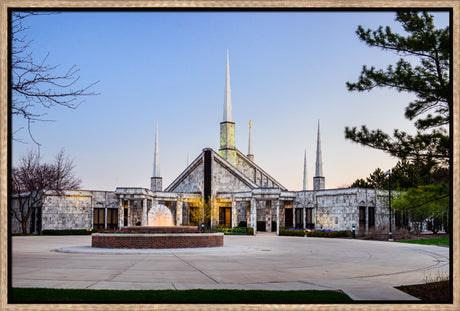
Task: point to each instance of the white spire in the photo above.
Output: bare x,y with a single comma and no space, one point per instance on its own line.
305,171
156,158
250,140
228,97
319,161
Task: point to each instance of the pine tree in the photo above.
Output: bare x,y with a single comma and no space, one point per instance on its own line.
429,81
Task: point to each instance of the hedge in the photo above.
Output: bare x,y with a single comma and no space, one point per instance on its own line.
69,232
333,234
291,232
319,234
236,230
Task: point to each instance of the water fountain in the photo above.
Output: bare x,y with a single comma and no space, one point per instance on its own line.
160,232
160,216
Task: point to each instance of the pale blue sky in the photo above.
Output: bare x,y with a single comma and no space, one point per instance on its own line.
288,70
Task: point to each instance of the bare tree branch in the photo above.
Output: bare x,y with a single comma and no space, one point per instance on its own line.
36,84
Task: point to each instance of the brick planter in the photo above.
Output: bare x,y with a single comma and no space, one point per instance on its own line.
177,240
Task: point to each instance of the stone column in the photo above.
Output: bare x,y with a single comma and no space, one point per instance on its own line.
105,218
277,205
129,213
304,216
268,216
144,212
234,213
120,213
293,215
179,212
254,215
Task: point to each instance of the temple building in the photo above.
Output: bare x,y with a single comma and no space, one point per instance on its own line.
238,191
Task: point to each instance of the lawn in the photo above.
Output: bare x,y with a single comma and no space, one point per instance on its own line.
52,295
437,241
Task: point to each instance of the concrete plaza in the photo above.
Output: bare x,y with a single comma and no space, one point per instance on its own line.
364,270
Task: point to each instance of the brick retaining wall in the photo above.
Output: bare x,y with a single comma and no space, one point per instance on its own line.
180,240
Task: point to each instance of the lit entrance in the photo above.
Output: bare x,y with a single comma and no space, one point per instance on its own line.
225,216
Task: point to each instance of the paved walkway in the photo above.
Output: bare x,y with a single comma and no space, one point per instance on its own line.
364,270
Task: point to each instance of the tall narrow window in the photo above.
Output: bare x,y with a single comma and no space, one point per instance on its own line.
112,218
98,222
362,217
371,217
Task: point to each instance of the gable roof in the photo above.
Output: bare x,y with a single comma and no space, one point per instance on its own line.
197,164
252,164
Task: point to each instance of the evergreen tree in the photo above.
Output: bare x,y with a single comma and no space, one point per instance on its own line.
405,175
429,81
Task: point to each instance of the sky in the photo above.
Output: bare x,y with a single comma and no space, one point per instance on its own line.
288,71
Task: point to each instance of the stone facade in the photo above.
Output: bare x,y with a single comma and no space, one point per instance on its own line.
190,180
233,192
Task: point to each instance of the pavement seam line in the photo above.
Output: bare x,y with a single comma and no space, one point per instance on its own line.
195,268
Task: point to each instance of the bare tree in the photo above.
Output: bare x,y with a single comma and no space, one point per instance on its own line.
31,178
36,84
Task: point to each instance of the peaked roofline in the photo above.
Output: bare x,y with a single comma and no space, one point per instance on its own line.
198,160
239,153
233,170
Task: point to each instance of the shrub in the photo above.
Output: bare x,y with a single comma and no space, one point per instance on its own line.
328,233
69,232
292,231
250,231
239,231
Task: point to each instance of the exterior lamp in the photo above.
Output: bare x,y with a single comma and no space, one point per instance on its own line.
202,226
390,236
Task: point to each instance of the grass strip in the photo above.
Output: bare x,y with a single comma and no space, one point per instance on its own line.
55,295
438,241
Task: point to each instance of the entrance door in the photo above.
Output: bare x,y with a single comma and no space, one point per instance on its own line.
225,216
288,217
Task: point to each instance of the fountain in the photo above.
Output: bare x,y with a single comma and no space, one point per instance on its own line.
160,215
159,221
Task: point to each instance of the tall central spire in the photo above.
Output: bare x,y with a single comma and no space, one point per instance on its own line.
227,127
318,180
228,96
319,160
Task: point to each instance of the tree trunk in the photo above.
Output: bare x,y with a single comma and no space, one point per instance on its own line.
24,226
